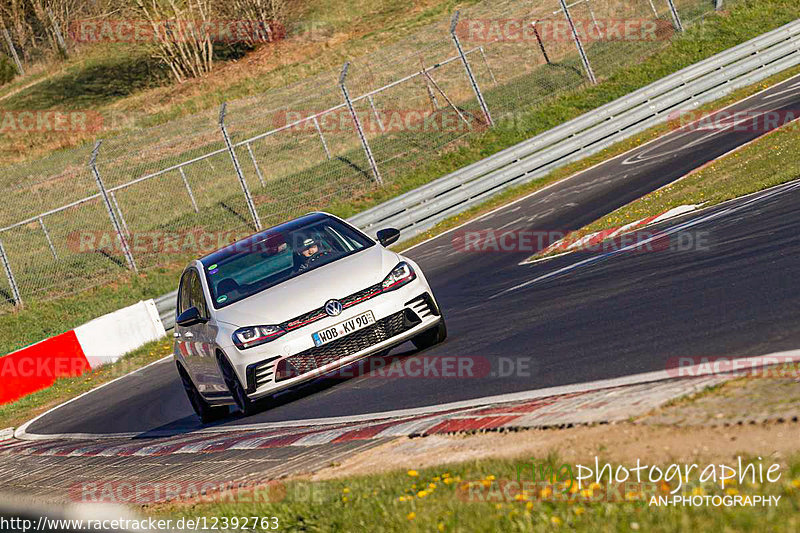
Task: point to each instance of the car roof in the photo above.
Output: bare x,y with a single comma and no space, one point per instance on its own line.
236,247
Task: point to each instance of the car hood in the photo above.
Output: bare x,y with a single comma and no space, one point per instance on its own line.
311,290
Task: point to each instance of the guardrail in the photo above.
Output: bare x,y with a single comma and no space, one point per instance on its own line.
419,210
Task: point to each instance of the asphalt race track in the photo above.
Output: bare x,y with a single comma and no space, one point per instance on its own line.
616,315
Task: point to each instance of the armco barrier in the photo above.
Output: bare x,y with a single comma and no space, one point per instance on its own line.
103,340
419,210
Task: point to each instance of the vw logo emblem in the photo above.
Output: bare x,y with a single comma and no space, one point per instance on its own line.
333,307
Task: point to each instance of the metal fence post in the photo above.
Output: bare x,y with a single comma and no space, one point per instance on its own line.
10,275
249,199
255,164
578,44
539,40
370,159
49,240
189,190
676,20
13,52
375,113
114,222
468,69
653,7
119,214
321,137
60,38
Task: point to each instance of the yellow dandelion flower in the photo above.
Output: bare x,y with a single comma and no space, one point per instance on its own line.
556,521
432,486
441,526
346,490
731,492
498,506
344,498
545,492
595,486
796,483
412,515
422,493
490,477
529,506
413,473
698,491
579,511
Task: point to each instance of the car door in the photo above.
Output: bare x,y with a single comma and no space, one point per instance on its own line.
202,339
181,347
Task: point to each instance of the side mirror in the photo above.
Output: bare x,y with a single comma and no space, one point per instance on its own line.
388,236
190,317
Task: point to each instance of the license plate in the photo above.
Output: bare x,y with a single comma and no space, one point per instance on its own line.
343,328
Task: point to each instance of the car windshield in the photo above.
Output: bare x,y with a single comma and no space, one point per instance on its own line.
276,255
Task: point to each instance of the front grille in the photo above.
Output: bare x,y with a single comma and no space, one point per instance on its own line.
319,313
380,331
259,374
423,306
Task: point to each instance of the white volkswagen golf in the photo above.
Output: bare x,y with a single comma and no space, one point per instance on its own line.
292,303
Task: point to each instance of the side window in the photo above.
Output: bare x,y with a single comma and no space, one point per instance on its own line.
184,292
197,298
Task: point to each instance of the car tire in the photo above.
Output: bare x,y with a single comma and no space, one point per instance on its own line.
431,337
205,411
245,404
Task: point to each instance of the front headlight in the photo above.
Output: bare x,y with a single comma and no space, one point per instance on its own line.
245,338
399,276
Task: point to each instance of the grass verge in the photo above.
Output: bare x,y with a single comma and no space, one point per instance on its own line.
477,496
448,493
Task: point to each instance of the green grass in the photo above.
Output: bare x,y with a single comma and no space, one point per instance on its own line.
16,413
426,501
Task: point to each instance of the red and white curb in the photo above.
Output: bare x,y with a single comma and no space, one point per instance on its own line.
77,351
596,402
574,242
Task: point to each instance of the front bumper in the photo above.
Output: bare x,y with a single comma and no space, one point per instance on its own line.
400,315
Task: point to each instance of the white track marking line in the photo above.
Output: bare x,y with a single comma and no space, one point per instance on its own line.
680,227
478,403
21,432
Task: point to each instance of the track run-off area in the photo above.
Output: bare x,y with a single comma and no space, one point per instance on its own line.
573,319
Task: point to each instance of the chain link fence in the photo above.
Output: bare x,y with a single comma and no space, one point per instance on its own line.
162,195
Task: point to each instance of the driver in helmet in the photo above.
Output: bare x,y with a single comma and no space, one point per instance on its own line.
312,254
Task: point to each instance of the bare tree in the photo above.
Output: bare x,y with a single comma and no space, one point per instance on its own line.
265,18
179,29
